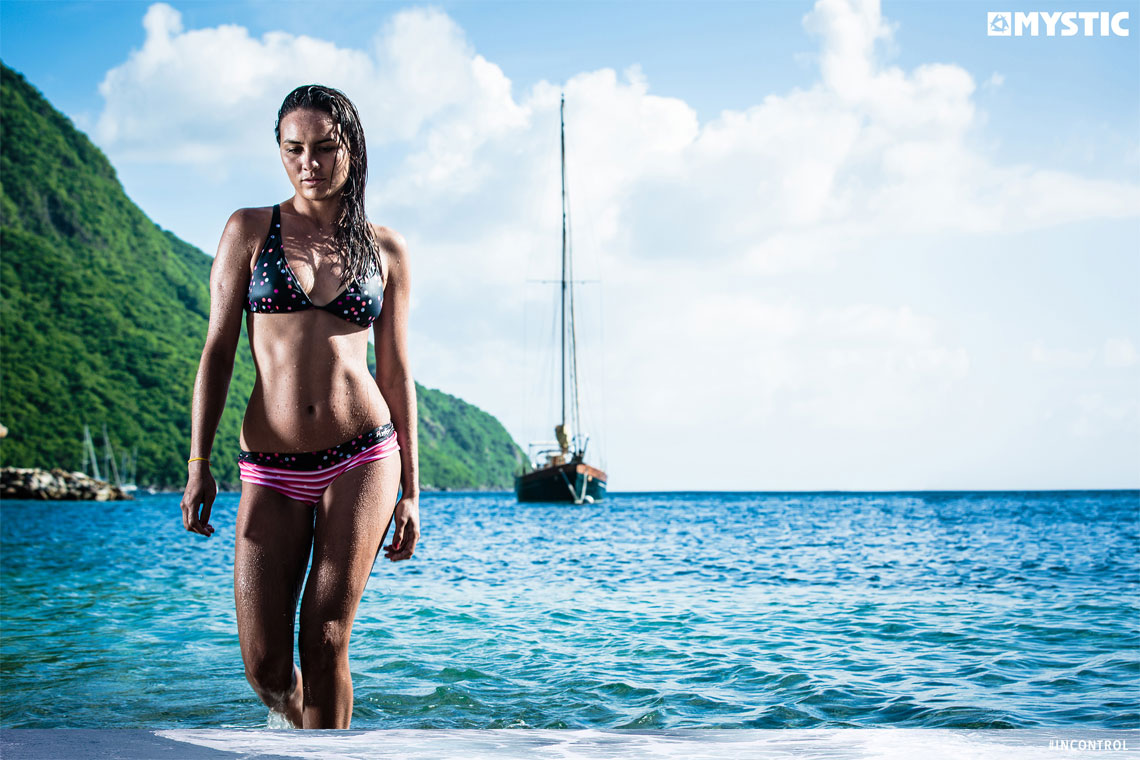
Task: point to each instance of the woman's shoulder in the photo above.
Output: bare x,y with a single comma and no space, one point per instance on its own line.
390,241
242,237
251,219
394,253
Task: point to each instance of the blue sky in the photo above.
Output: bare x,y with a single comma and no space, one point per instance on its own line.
841,245
720,55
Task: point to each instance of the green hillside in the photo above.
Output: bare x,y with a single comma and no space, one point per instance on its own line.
103,316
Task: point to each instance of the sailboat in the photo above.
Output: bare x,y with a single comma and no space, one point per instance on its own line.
559,471
109,466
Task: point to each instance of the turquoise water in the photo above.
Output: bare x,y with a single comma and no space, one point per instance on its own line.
949,610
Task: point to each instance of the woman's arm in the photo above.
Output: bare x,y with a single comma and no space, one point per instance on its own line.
394,378
229,282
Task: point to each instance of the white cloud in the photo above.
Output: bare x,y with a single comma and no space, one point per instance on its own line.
1119,352
207,97
692,225
1116,352
1098,416
1061,358
875,367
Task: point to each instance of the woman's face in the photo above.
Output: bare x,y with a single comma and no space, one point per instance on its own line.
315,158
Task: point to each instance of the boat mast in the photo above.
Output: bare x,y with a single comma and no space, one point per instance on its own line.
562,137
110,465
89,451
569,339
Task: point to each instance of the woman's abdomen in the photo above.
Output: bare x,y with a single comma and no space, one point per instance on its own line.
305,406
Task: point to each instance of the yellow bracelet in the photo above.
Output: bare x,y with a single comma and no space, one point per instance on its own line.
195,459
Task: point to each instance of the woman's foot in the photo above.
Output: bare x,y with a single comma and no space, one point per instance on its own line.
286,708
295,703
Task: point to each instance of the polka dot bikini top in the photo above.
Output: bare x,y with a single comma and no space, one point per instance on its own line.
274,288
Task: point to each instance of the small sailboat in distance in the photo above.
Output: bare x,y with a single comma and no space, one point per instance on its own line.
110,467
559,471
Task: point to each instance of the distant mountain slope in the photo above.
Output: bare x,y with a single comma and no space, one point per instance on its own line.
463,446
103,316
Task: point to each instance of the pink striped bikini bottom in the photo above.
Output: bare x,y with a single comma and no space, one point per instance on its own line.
305,475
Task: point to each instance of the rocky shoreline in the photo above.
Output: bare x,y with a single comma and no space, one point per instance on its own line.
56,485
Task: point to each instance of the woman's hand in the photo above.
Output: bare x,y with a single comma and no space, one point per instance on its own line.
200,490
407,521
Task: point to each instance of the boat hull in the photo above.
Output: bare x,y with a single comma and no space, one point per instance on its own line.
571,483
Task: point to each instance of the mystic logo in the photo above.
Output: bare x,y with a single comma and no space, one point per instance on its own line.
1046,23
998,24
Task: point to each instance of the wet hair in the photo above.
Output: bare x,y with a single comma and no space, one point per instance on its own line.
353,233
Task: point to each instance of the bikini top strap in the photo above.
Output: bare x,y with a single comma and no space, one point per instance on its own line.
275,224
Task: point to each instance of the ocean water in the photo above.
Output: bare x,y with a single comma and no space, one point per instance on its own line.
648,611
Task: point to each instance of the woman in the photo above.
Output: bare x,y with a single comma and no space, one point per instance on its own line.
321,435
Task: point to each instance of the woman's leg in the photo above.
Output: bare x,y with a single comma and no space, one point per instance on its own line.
353,517
274,538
